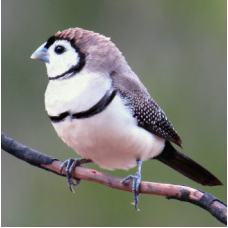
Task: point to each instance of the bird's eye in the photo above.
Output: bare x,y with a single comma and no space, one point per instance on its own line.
59,49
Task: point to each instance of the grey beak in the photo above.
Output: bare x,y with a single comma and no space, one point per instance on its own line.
41,54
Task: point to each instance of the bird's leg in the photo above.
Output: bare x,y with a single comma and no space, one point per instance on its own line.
136,183
70,164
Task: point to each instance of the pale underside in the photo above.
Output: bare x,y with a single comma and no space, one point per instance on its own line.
111,138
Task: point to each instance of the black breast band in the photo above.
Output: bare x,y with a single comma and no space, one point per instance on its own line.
61,117
101,105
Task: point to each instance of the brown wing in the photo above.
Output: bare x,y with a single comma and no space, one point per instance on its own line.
147,112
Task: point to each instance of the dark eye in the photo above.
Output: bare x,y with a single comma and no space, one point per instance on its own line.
59,49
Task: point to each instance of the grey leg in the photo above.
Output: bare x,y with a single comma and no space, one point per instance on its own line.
136,183
70,164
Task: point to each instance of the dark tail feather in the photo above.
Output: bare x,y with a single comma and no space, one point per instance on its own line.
186,166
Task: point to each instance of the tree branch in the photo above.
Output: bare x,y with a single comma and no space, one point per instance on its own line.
171,191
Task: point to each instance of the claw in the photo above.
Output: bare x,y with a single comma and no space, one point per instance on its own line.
70,164
136,184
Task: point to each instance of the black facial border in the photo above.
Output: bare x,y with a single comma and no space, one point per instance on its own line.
74,69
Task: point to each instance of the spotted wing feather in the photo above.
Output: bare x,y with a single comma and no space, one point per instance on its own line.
147,112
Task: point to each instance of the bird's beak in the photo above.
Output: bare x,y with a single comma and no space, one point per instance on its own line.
41,54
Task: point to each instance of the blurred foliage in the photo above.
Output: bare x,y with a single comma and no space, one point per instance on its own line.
176,47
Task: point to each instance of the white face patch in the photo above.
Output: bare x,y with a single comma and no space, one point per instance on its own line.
60,63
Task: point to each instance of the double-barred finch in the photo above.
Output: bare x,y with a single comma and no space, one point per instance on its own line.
101,109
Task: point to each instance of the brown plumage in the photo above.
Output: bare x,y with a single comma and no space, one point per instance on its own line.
101,109
103,56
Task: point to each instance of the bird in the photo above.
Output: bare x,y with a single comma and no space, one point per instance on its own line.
100,108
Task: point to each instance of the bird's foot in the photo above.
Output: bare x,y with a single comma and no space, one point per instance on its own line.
135,188
70,164
136,184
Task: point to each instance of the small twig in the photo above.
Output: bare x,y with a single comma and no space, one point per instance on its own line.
171,191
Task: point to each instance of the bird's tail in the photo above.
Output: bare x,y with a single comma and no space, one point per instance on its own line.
186,166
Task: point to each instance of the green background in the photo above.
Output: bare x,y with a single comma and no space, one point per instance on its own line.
178,50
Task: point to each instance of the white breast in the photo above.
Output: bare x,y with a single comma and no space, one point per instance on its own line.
75,94
111,138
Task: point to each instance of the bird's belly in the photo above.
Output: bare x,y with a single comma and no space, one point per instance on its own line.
111,138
